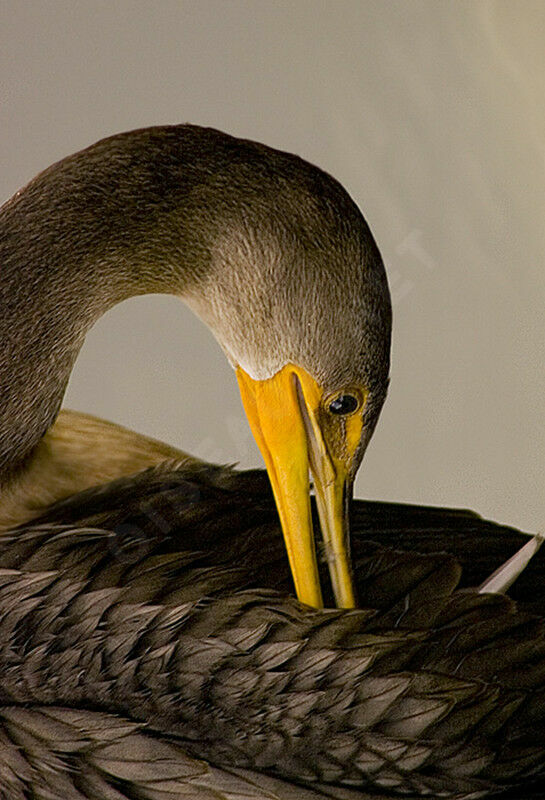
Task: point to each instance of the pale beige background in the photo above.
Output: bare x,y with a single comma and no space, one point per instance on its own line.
432,114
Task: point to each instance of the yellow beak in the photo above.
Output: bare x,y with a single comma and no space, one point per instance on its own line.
282,412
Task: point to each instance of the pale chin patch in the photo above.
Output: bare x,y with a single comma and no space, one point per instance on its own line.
204,312
254,373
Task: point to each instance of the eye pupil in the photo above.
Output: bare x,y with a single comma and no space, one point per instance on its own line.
344,404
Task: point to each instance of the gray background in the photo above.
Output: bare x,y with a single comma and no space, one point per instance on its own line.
430,113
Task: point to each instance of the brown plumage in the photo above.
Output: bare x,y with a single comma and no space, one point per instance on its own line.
147,626
150,643
268,250
250,237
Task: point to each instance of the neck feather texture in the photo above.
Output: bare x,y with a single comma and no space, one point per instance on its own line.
263,245
119,219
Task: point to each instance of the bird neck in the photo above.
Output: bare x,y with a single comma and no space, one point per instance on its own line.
49,298
86,234
134,214
193,212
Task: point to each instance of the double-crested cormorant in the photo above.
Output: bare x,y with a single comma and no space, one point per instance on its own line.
268,250
145,611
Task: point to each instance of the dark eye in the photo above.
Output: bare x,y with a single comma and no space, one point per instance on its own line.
344,404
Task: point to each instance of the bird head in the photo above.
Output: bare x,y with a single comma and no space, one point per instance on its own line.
297,296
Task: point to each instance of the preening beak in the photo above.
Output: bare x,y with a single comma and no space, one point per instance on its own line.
281,412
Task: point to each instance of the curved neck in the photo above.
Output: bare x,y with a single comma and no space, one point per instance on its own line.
245,234
119,219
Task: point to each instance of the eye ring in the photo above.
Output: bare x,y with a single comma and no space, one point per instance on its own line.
343,404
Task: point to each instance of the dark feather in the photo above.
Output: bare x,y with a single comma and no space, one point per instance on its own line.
156,612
